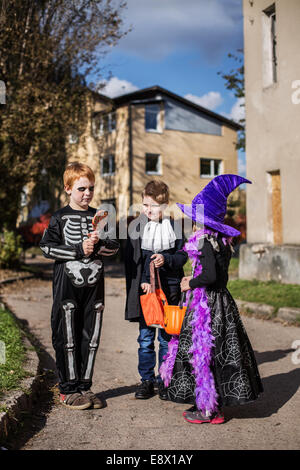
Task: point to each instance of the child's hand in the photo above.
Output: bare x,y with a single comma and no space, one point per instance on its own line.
146,288
88,247
93,236
185,283
159,260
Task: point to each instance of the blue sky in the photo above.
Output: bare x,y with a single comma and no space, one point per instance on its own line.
181,46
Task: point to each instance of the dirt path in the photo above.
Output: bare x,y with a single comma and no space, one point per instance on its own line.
272,422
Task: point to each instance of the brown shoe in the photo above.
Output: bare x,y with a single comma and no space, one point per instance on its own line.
96,402
76,401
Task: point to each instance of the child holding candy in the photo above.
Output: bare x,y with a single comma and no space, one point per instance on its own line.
78,286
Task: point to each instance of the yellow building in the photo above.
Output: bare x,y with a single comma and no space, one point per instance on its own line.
153,133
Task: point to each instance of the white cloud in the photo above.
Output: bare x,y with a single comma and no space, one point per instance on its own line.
237,111
210,100
116,87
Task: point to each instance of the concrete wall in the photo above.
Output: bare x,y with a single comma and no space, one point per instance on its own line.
272,120
267,262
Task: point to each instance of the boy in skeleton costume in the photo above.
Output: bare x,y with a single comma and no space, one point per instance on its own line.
78,287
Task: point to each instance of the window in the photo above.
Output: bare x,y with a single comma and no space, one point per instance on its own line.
153,164
152,118
104,123
210,168
269,46
107,165
73,139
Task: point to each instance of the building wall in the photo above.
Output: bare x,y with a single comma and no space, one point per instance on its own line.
90,150
180,153
272,122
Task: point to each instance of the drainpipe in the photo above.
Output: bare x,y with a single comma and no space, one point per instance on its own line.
130,154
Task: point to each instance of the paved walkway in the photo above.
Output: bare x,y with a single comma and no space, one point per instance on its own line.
272,422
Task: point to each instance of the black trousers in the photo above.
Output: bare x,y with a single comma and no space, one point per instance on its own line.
76,322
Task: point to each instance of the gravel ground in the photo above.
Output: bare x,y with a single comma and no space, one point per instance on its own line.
272,422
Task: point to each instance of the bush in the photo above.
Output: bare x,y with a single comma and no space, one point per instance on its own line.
32,231
10,249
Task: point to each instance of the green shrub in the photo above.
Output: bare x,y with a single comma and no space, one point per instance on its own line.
11,364
10,249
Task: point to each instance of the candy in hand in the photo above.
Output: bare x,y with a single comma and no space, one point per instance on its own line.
98,217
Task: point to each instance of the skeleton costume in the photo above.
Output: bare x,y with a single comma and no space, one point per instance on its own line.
78,295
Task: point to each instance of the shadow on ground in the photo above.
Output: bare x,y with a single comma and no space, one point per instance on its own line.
278,389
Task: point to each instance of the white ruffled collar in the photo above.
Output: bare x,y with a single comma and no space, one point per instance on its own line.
158,236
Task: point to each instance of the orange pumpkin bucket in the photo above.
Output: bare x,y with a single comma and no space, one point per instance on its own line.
173,317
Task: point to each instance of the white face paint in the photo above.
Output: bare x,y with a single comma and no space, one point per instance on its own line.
81,193
152,209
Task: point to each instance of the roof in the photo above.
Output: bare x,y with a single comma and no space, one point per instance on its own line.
151,91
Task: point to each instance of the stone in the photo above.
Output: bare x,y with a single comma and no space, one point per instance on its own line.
289,313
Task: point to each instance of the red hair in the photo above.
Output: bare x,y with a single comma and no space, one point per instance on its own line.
76,170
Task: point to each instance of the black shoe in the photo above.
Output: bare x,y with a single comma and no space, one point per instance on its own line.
162,391
145,390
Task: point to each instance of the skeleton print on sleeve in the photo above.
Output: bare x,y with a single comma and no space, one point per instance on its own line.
66,246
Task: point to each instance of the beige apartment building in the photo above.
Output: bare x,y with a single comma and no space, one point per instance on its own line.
153,133
272,87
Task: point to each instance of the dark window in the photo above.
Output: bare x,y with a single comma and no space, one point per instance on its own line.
210,167
271,13
107,165
153,164
152,117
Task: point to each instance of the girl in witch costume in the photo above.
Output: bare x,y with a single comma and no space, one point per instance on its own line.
211,364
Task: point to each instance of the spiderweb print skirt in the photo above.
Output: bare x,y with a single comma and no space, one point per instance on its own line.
234,366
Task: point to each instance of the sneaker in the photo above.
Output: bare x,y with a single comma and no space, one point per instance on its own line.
193,408
76,401
162,391
96,402
196,417
218,418
145,390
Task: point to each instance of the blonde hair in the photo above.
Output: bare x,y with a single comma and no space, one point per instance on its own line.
74,171
158,190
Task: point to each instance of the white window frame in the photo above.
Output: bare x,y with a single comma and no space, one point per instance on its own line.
159,172
212,172
73,138
158,129
111,123
111,160
269,53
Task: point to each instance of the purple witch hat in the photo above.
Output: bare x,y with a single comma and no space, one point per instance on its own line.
209,206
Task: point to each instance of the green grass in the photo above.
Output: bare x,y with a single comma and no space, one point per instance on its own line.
233,267
11,362
271,292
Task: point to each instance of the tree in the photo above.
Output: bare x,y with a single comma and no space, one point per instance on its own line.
47,48
234,80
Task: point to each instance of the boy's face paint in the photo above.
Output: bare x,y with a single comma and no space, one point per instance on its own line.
152,209
81,193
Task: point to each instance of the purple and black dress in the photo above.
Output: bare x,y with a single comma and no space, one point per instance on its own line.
211,363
